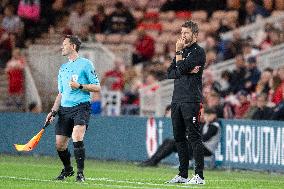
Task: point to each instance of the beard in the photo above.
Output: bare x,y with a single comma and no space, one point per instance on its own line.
188,41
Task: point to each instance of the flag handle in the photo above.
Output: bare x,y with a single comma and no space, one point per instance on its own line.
47,122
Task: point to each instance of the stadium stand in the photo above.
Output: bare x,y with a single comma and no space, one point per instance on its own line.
224,33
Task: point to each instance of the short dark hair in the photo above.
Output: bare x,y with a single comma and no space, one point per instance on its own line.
191,25
74,40
119,5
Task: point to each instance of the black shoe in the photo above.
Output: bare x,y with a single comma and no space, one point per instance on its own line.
65,173
80,177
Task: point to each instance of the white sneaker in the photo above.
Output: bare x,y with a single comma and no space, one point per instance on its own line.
196,180
177,179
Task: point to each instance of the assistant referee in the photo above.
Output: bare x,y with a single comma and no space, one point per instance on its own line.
76,79
187,68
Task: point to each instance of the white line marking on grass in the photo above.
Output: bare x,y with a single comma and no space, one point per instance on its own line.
154,185
66,182
138,182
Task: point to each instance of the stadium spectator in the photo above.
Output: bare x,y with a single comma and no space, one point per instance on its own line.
253,74
278,94
5,48
279,5
225,83
263,83
11,22
159,69
114,79
278,111
31,19
150,81
120,20
130,99
79,21
144,47
211,58
248,50
238,76
267,7
263,112
252,12
15,73
52,12
213,101
252,108
211,42
263,38
98,20
210,82
242,107
227,24
233,47
275,37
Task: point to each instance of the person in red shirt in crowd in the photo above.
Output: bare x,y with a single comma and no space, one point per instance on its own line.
243,106
278,94
114,79
144,47
15,73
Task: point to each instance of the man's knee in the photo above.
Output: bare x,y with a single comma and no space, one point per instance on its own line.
78,133
77,137
61,146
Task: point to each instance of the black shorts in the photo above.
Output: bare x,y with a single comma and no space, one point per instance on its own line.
68,117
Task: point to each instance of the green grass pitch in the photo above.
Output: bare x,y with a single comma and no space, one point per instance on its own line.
38,172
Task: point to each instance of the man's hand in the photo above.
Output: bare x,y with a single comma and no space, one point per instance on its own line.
195,70
50,117
180,44
73,84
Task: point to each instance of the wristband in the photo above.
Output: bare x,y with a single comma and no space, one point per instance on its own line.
179,53
53,113
81,86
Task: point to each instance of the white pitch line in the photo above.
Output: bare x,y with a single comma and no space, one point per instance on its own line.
103,179
66,182
121,182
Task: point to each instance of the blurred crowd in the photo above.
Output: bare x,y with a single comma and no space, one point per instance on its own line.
151,28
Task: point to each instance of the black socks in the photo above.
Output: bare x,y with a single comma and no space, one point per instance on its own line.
65,158
79,153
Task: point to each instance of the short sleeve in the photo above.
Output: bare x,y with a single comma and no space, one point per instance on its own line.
91,74
60,87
